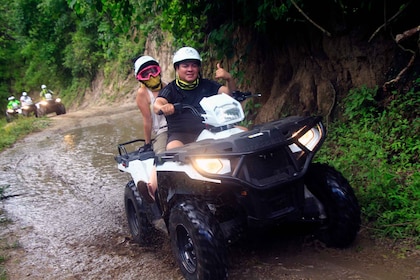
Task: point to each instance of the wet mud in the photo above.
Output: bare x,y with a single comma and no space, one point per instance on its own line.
65,198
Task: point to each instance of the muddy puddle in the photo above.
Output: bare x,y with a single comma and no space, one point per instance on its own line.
66,203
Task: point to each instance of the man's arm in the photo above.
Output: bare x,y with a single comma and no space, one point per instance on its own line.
230,82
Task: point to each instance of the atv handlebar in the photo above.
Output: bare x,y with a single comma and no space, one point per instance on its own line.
241,96
179,107
238,95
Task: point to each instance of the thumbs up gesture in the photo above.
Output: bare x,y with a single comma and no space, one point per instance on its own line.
222,73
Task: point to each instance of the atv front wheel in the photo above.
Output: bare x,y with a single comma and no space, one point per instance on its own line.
9,117
339,202
140,228
41,111
197,242
61,110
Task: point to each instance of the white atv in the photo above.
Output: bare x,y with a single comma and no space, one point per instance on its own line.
212,191
29,108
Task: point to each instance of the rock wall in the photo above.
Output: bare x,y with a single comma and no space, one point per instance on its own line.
312,76
162,52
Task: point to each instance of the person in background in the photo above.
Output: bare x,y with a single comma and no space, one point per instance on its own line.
188,88
44,92
25,99
13,103
147,72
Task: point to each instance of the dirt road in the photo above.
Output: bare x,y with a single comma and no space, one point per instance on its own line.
66,203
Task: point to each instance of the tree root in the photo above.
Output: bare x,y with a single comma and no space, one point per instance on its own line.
399,38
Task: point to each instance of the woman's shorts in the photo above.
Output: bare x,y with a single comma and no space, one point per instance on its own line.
159,142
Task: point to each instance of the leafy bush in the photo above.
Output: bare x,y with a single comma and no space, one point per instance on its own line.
377,149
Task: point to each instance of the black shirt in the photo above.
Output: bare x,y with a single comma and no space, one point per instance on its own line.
186,121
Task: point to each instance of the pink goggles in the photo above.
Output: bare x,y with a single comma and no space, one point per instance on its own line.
146,73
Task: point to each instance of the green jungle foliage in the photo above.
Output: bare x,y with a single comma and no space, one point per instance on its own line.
377,148
65,43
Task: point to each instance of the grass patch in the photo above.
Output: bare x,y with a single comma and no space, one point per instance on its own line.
20,127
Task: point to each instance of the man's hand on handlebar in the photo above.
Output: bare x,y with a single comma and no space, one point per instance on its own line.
167,109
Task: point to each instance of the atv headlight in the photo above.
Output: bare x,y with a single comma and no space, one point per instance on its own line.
213,165
310,139
221,109
307,138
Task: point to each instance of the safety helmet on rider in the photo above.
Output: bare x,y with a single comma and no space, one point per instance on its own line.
24,93
142,62
43,86
11,98
186,53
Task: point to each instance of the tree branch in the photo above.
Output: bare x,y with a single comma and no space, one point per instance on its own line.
310,20
388,21
407,34
402,72
398,39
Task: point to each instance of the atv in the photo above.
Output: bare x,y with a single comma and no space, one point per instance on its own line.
230,181
13,113
29,108
50,105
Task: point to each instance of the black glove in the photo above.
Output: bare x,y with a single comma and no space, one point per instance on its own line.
146,148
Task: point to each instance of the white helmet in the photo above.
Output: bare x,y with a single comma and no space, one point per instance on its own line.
186,53
143,61
24,93
43,86
11,98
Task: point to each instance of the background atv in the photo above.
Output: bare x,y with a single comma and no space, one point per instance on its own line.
213,191
29,108
50,105
11,114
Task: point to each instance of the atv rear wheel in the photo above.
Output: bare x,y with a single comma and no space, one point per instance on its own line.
140,228
197,242
339,202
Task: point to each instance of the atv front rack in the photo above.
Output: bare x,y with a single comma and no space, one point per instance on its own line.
125,157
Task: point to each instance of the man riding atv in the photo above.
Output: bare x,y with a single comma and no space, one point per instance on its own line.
49,104
13,108
13,103
44,92
25,99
